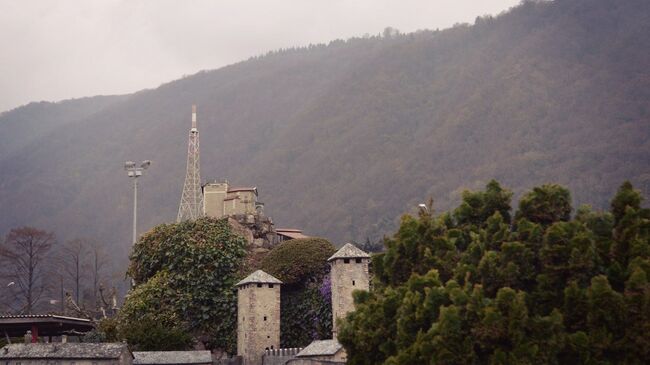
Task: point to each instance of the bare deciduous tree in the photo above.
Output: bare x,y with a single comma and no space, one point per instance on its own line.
73,257
99,265
24,262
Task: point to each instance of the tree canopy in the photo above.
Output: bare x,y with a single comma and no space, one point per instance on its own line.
185,274
470,287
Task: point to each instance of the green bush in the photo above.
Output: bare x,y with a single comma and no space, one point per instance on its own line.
306,310
186,274
299,260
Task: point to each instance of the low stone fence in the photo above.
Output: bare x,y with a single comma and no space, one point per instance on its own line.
235,360
279,356
299,361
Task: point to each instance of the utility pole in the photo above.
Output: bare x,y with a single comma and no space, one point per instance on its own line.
135,172
191,206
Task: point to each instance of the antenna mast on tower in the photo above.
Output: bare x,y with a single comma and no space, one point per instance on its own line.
192,199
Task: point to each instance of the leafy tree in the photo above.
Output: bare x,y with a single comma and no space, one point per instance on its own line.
477,207
545,205
299,260
545,290
186,274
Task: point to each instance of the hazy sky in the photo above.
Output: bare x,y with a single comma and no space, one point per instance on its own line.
54,50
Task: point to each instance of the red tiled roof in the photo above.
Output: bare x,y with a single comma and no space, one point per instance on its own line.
291,233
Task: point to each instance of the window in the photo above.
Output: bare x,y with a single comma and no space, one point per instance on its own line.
358,261
352,282
346,261
265,318
271,286
259,285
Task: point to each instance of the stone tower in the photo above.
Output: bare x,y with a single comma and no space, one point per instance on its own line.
349,272
258,316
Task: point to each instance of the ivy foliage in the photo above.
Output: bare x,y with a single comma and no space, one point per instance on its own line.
306,309
469,287
299,260
185,275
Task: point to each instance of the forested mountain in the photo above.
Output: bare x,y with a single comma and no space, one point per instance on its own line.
343,138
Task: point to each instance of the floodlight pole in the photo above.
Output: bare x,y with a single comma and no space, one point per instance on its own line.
135,209
135,172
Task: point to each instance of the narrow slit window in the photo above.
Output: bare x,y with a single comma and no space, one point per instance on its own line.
346,261
353,283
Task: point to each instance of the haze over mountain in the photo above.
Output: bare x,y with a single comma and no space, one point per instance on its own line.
341,139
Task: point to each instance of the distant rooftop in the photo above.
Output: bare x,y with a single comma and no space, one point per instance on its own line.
47,324
171,357
321,348
290,233
236,189
349,251
260,277
63,351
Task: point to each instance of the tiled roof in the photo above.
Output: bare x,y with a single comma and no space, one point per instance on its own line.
321,348
259,276
349,251
63,351
233,190
171,357
292,234
288,230
28,316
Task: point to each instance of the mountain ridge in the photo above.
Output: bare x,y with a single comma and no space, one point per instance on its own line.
343,138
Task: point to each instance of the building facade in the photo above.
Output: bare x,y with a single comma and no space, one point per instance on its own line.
220,199
349,272
258,316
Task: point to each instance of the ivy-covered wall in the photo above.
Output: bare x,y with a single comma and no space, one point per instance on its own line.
306,310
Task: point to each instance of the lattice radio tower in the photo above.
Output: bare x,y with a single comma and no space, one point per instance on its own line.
192,199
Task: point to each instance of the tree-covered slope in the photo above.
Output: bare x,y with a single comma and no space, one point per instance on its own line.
343,138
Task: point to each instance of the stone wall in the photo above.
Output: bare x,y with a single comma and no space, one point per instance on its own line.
258,321
280,356
213,196
347,275
299,361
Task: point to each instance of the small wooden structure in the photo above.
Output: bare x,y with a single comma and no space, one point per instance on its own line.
45,325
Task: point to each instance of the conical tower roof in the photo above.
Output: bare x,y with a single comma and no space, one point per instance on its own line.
259,277
349,251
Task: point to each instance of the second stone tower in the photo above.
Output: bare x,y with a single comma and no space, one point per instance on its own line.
349,272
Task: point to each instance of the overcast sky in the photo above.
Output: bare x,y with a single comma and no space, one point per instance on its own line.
55,50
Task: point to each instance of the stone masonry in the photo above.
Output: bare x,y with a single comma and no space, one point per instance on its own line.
349,272
258,316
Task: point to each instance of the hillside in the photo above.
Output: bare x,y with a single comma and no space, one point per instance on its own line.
341,139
